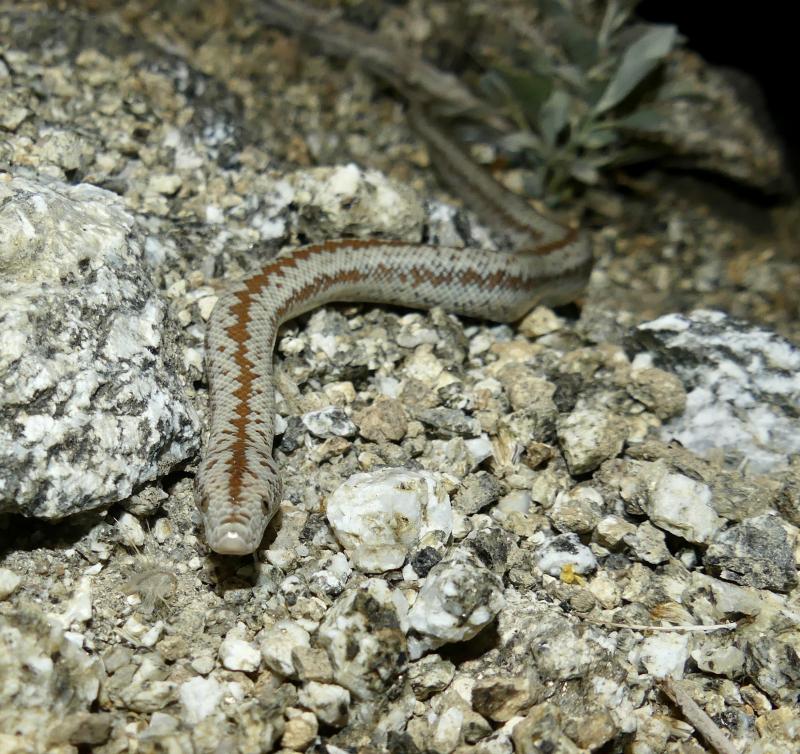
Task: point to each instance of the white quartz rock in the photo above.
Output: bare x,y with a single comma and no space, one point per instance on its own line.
664,654
381,516
236,653
681,505
199,698
459,597
130,530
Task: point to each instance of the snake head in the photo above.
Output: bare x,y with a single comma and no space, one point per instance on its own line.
235,521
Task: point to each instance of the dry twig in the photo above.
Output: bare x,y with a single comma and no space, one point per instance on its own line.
702,723
642,627
413,77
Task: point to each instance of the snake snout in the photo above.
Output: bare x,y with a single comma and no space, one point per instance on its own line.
231,539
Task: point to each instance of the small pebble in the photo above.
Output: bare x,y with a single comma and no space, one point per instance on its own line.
237,654
9,581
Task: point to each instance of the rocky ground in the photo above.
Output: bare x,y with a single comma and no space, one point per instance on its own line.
493,539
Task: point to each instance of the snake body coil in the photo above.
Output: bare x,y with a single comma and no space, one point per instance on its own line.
238,485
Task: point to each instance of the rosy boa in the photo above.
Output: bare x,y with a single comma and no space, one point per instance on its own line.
238,486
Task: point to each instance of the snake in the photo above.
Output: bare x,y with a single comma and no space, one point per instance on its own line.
238,487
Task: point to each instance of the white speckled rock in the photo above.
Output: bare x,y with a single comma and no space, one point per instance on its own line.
743,385
329,702
9,581
648,544
149,689
540,321
430,675
588,437
726,660
577,510
659,391
459,597
364,635
91,403
755,552
332,578
78,608
562,551
447,731
161,726
348,201
278,643
329,422
45,679
384,516
612,529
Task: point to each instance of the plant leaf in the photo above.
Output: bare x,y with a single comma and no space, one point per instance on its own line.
649,121
519,140
529,89
553,117
578,41
584,172
600,138
492,86
639,59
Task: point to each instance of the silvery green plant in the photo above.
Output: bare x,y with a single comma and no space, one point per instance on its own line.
580,112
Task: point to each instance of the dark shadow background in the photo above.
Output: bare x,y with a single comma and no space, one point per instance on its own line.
759,38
